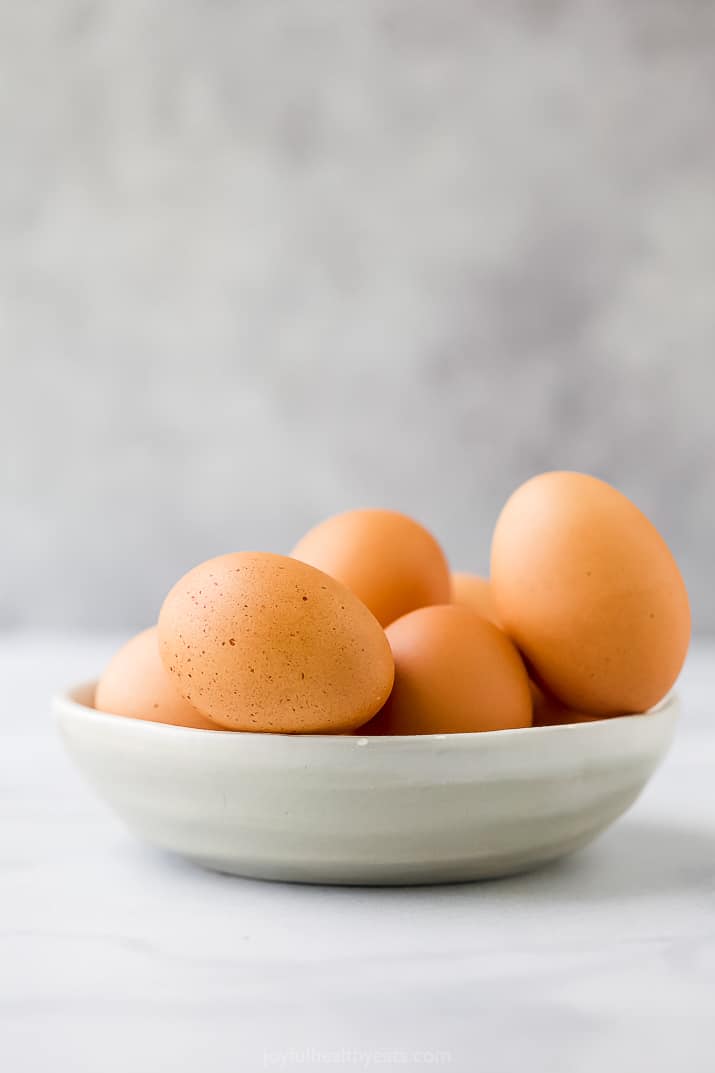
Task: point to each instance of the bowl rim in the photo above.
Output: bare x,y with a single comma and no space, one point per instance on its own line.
66,702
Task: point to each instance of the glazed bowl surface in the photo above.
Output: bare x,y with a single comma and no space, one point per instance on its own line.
365,810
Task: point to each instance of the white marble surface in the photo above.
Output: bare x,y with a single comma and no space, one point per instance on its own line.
114,958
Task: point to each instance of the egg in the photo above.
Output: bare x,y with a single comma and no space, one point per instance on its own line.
136,684
454,672
590,593
391,562
263,642
549,712
473,591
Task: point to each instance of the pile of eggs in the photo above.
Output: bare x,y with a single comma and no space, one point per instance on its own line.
584,616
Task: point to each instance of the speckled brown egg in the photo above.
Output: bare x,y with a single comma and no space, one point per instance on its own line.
391,562
136,684
473,591
262,642
591,594
455,672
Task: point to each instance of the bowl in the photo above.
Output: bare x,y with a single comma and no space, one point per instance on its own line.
366,810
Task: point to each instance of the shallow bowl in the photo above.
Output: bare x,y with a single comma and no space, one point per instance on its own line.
368,810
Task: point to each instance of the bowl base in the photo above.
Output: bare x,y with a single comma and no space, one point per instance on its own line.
415,874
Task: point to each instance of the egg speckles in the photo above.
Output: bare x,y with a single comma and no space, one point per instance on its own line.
584,614
136,684
263,642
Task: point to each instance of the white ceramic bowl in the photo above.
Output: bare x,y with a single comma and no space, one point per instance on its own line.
370,810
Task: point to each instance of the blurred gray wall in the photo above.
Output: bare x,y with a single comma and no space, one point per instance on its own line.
263,261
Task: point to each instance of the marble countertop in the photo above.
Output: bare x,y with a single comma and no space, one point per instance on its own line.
114,957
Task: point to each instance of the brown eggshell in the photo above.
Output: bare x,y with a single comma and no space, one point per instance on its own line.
262,642
136,684
470,590
391,562
591,594
549,712
455,672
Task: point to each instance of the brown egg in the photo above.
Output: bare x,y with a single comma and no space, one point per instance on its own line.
454,672
262,642
590,593
391,562
549,712
469,590
137,684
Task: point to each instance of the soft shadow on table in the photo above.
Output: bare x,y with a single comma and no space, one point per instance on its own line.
630,861
633,860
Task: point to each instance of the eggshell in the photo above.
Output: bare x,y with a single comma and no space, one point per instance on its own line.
137,684
262,642
591,594
549,712
473,591
454,672
391,562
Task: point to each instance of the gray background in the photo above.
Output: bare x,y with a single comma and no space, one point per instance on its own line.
262,261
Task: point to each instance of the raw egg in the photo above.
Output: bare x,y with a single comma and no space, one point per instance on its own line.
266,643
455,672
473,591
549,712
391,562
137,684
591,594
